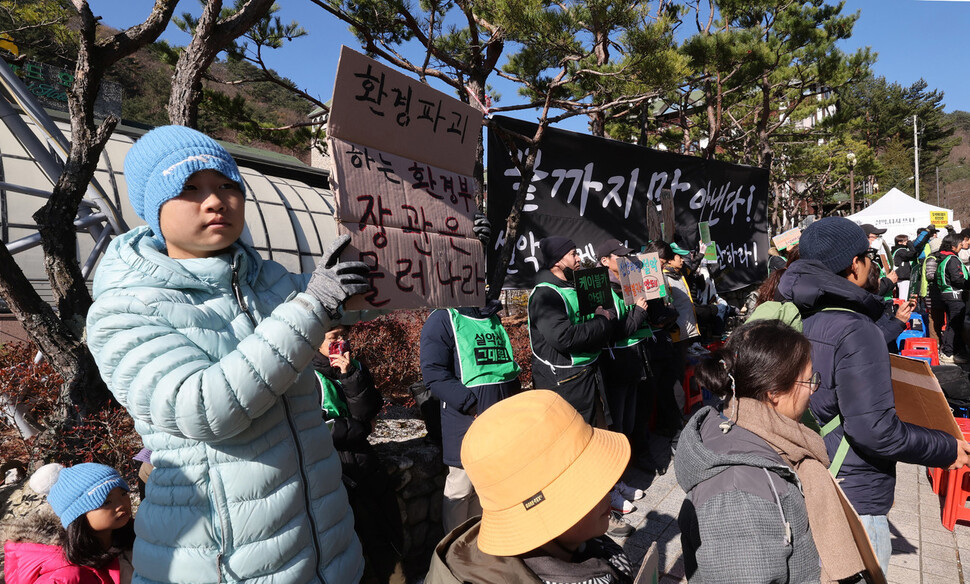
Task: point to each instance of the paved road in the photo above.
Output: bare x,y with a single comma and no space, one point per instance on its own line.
923,550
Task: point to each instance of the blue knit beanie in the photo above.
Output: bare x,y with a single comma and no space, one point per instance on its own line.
74,491
160,162
834,241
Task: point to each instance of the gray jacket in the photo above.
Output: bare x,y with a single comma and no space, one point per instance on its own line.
744,518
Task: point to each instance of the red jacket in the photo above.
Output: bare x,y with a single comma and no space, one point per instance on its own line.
36,563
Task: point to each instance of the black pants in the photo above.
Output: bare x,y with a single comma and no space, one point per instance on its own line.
952,340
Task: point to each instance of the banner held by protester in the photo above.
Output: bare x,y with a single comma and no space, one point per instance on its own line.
593,189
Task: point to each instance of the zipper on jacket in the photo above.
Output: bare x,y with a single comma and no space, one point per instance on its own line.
237,291
305,486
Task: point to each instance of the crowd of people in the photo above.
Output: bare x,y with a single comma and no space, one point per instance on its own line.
255,413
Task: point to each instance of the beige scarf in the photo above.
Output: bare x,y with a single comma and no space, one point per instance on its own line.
804,451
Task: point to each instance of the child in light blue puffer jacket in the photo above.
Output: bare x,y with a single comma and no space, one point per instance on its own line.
207,346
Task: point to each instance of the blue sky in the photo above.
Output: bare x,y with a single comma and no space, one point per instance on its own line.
913,39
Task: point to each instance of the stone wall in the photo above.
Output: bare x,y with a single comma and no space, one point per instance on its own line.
418,475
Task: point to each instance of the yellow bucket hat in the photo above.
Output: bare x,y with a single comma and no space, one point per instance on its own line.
538,468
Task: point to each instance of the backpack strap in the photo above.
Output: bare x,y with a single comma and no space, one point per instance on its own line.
842,450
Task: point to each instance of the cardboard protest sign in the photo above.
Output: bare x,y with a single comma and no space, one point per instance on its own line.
874,574
593,289
654,281
376,106
631,279
404,190
919,398
938,218
649,572
787,239
593,189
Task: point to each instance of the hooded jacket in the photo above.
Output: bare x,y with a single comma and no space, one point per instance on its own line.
33,555
441,370
210,357
457,560
849,352
744,518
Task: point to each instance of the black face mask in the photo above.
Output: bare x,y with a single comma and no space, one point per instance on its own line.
568,273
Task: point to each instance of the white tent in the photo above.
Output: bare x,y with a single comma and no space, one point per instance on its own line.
898,213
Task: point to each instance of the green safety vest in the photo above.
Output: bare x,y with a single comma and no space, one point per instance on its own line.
941,274
882,274
643,333
571,300
484,350
333,405
924,285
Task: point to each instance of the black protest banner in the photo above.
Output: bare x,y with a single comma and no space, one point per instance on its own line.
591,189
592,289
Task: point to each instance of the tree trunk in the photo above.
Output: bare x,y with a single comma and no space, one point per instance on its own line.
211,36
497,279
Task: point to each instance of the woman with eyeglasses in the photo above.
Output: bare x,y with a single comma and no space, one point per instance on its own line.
761,505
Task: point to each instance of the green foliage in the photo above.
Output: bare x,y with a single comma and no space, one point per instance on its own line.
880,113
611,51
41,30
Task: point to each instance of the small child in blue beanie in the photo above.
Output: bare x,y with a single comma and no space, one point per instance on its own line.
207,346
95,532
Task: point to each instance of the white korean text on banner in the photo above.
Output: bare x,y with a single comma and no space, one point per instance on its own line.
591,189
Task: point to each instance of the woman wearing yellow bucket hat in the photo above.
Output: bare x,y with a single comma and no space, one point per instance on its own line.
544,478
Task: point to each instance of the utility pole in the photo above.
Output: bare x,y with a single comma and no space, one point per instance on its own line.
915,157
937,186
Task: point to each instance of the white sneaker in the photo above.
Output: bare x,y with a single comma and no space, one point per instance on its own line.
629,493
947,359
621,505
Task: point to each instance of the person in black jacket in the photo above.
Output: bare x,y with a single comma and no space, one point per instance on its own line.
952,279
623,363
467,363
855,404
565,344
350,404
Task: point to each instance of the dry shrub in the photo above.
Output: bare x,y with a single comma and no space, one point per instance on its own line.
107,437
390,346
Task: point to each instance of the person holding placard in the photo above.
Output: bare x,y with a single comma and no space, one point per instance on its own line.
566,344
623,366
207,346
855,405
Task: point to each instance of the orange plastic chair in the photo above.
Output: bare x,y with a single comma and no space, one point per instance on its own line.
921,343
957,493
924,354
692,397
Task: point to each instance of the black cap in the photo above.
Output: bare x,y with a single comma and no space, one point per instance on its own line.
553,248
871,229
611,246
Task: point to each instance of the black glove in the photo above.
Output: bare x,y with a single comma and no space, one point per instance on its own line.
482,228
332,283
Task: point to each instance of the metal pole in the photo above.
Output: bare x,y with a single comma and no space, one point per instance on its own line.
852,187
937,185
915,157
